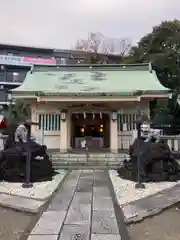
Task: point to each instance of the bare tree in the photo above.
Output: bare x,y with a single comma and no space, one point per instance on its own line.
124,46
91,44
97,43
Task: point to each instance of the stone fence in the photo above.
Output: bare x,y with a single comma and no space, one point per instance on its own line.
126,138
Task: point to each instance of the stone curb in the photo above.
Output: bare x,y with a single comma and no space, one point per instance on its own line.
20,203
27,204
119,212
152,205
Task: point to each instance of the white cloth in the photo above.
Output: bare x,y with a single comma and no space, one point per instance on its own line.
83,143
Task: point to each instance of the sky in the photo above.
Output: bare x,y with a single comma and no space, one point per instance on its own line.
60,23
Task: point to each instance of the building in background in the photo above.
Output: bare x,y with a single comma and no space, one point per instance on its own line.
16,61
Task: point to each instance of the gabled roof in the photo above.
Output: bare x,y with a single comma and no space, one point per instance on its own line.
136,79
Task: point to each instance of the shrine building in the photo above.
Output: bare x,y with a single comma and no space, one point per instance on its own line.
95,102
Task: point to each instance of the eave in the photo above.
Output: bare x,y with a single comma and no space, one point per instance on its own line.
100,97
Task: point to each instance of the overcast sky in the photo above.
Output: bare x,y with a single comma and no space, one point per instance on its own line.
59,23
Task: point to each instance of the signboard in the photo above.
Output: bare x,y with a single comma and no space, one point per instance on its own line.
25,61
11,60
44,61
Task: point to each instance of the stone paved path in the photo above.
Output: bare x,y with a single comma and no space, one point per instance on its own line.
82,209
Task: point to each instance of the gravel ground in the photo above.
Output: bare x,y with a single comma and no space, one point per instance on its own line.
126,192
14,225
40,190
165,226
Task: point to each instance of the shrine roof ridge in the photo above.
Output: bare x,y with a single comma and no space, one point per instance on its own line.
88,67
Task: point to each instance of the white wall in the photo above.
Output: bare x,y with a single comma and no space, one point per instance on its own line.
50,138
126,137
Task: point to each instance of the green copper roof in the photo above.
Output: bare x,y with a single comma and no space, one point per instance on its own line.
95,79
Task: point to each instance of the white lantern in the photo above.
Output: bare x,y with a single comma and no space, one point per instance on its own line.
63,115
114,115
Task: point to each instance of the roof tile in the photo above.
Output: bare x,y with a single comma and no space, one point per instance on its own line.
107,79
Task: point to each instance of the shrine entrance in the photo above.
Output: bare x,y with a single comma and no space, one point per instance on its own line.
90,129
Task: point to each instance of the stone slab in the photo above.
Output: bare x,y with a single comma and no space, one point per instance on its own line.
86,177
78,214
73,232
152,205
103,203
84,186
131,211
104,225
62,200
20,203
63,197
43,237
87,172
99,183
105,237
59,204
82,198
50,223
71,182
101,191
103,214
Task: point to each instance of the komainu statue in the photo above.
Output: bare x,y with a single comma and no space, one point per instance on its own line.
151,157
14,154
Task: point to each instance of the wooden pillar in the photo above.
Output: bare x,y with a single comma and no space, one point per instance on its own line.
64,135
113,135
69,132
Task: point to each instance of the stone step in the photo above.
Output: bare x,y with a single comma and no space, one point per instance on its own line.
88,156
80,155
67,160
86,160
84,167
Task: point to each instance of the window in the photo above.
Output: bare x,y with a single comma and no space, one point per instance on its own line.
127,120
63,61
49,122
2,76
16,77
3,96
10,77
